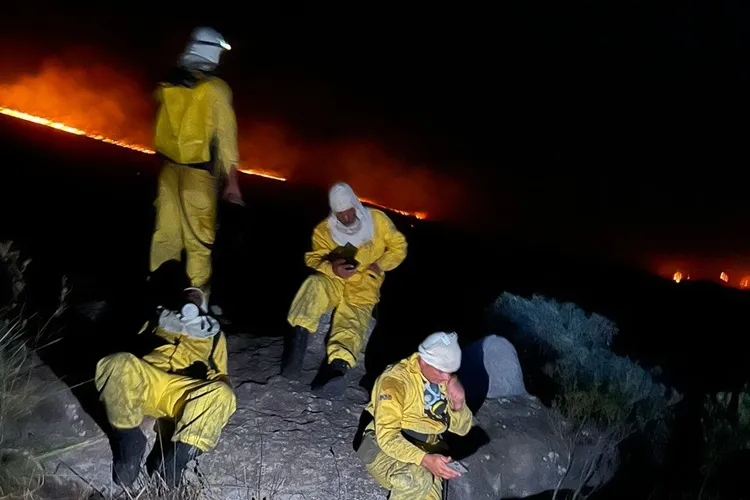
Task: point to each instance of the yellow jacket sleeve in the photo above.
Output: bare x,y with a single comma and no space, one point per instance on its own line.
461,421
395,243
220,356
226,129
316,259
388,414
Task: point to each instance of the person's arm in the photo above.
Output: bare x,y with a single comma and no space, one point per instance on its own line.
388,413
316,258
395,242
461,421
220,360
227,149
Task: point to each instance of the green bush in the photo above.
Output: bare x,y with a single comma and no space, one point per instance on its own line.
596,385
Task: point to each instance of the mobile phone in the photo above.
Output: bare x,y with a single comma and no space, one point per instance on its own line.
458,467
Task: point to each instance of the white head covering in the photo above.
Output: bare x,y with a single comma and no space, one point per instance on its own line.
189,321
204,49
441,350
341,197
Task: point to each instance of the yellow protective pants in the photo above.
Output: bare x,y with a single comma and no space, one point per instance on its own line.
405,481
131,389
185,216
320,294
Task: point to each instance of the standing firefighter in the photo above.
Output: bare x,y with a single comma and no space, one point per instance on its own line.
413,403
196,133
183,380
351,252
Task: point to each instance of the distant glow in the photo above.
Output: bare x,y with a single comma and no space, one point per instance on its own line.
677,277
142,149
745,282
724,277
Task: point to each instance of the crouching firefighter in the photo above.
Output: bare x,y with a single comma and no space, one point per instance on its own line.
196,135
183,380
413,403
352,250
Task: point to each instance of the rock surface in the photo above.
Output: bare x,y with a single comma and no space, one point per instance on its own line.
490,369
282,443
527,454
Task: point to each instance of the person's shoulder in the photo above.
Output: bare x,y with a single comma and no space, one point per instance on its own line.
219,86
381,219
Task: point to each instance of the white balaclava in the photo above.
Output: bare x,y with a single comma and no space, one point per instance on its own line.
204,50
441,350
190,320
341,197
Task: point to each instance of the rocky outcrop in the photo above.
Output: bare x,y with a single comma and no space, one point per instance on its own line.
528,453
282,442
526,448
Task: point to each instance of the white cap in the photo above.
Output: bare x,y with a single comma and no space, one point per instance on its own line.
441,350
341,197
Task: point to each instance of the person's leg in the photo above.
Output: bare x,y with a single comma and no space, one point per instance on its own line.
348,330
130,389
317,295
405,481
201,410
166,242
198,202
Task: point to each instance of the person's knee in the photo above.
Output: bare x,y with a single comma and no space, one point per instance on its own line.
223,395
117,364
415,481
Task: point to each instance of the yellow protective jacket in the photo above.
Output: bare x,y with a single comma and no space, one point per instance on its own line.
387,248
181,351
194,120
397,404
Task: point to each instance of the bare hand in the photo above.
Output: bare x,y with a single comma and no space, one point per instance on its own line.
437,465
343,270
455,394
233,196
374,267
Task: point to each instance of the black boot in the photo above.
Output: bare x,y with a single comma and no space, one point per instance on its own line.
174,461
130,447
294,353
332,382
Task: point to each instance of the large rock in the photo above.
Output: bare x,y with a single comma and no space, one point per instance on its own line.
490,369
528,453
53,437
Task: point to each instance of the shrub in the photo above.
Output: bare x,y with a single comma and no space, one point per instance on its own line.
596,385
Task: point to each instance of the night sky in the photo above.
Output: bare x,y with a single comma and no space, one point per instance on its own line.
612,128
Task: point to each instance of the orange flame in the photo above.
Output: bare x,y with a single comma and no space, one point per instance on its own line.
418,215
677,277
745,282
724,277
142,149
135,147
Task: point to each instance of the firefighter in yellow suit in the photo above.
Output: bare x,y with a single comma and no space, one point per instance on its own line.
196,133
413,403
352,290
184,379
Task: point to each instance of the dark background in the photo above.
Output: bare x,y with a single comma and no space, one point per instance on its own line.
611,127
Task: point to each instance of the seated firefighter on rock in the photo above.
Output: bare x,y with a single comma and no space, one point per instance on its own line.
413,403
183,380
351,252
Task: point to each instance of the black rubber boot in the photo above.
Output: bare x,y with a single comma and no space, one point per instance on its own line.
130,447
294,353
174,461
332,383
